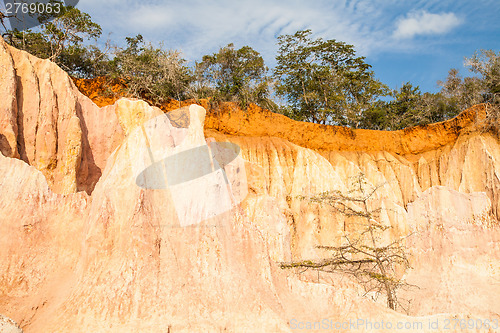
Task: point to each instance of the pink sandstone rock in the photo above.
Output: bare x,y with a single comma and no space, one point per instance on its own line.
84,248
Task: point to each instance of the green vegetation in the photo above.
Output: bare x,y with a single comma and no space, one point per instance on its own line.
152,73
321,81
61,40
233,75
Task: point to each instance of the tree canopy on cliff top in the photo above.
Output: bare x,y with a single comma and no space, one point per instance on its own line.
321,81
324,81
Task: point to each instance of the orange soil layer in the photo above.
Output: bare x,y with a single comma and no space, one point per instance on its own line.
101,90
229,119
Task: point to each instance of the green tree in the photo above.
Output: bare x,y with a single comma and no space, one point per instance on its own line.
484,87
69,30
436,107
486,63
33,42
376,117
62,41
324,81
233,75
152,73
403,109
461,93
410,107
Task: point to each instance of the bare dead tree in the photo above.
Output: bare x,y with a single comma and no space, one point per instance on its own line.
363,254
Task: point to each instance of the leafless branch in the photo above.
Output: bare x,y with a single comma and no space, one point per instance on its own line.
363,256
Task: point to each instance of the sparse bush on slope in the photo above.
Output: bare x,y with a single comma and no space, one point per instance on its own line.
155,74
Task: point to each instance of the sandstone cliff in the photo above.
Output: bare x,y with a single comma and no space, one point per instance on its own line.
448,170
86,247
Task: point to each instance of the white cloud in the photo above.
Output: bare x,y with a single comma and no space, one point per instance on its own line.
149,18
199,27
205,27
425,23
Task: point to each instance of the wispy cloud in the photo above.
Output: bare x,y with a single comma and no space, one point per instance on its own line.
425,23
198,26
149,18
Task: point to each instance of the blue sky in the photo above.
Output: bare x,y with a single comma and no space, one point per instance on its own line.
416,41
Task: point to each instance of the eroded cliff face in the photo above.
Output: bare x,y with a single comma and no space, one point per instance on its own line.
439,183
86,247
46,123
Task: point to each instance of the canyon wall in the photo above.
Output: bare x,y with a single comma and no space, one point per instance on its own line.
438,183
86,247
